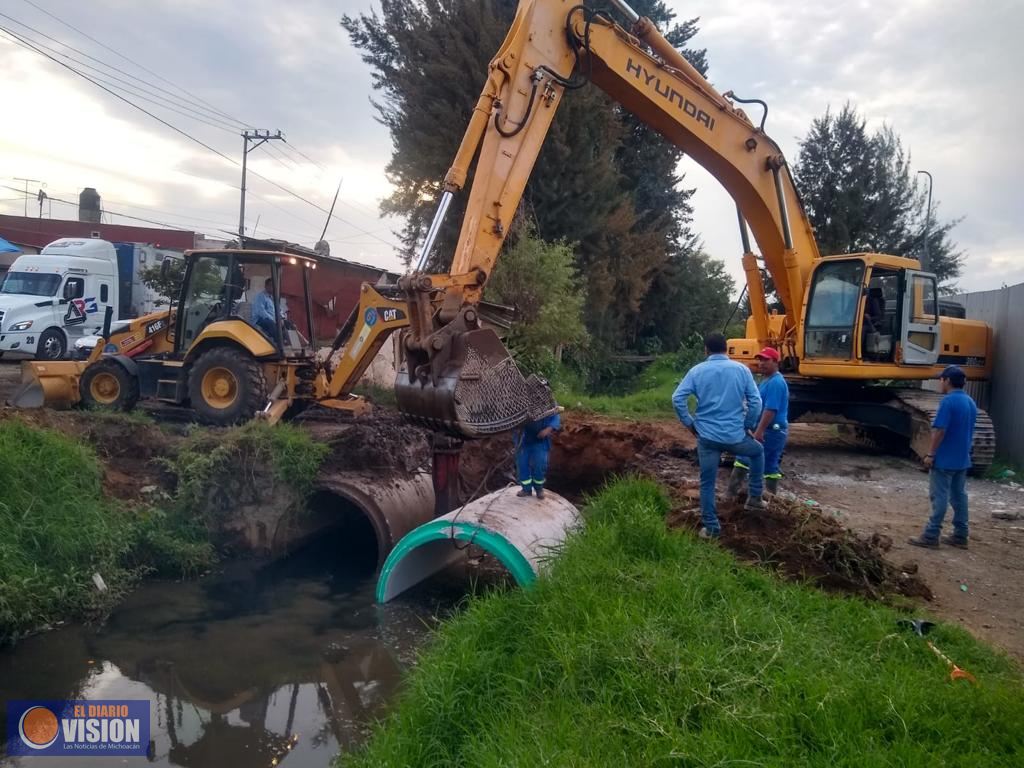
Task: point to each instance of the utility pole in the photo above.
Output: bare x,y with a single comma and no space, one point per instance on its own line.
258,137
927,261
27,182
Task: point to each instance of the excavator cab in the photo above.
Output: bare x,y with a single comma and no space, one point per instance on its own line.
873,310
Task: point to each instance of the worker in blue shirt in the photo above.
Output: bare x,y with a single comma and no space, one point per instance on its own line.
263,315
728,409
772,429
533,445
948,459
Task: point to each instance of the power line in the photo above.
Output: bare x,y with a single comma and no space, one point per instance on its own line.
129,88
222,113
119,96
147,87
192,138
135,63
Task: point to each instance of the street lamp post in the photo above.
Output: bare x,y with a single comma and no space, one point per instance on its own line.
927,261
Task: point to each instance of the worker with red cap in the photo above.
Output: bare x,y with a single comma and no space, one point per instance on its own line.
772,428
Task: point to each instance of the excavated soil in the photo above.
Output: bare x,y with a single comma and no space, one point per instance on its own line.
797,541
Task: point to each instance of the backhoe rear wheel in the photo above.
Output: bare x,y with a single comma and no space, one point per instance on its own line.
226,386
107,385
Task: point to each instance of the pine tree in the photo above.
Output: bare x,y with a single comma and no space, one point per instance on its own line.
860,194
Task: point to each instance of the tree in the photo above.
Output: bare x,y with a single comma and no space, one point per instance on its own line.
165,284
860,194
549,311
604,181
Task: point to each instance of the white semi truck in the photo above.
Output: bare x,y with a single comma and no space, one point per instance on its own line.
50,299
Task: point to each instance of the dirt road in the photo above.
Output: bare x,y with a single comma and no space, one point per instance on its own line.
874,493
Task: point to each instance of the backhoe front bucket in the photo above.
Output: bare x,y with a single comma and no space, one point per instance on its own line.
479,392
53,385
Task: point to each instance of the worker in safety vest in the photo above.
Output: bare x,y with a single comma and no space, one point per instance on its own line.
772,428
533,445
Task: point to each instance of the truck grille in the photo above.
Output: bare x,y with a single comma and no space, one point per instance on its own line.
1,319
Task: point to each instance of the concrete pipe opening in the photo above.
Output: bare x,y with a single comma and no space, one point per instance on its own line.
374,511
522,534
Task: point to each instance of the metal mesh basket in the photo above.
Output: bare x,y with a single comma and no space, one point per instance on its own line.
493,397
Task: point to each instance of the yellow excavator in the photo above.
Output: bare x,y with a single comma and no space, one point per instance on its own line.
849,322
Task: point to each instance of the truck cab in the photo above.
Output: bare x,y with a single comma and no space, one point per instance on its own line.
50,299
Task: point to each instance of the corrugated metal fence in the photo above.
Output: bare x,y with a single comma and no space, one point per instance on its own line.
1003,309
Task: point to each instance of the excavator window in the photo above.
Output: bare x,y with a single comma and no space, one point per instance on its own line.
832,313
880,327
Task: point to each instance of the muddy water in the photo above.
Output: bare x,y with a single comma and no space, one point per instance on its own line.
254,666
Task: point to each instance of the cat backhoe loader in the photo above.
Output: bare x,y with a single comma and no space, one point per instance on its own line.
214,351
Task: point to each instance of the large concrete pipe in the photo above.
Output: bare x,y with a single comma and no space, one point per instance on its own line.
521,533
393,504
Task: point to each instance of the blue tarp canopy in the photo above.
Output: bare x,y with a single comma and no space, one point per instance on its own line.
6,247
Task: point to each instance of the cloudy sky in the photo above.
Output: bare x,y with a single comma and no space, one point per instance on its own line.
944,73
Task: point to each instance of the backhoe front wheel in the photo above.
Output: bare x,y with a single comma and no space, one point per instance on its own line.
226,386
106,384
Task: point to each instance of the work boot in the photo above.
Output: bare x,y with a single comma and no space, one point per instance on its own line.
540,493
754,504
922,541
737,482
771,485
955,541
523,493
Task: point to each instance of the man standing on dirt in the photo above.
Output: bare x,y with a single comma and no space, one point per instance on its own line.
773,427
949,458
728,409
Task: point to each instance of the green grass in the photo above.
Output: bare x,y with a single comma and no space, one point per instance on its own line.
645,647
651,398
222,461
1004,471
57,529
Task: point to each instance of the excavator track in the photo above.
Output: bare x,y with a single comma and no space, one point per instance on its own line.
924,405
900,413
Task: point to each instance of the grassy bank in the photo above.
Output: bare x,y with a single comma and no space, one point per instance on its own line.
649,397
57,529
646,647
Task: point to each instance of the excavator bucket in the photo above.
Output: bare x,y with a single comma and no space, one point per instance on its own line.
53,385
479,391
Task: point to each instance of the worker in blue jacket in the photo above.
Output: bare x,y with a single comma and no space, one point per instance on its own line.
533,444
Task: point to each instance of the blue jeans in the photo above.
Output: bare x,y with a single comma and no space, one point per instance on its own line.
774,445
710,454
947,486
532,462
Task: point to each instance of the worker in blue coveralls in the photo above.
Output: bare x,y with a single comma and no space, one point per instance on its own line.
772,428
533,444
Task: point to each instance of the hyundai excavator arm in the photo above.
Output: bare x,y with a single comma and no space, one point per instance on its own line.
554,46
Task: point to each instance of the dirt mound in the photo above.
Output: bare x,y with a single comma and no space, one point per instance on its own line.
381,441
587,453
797,541
802,543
